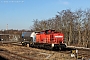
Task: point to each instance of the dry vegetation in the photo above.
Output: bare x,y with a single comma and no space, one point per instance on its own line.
37,54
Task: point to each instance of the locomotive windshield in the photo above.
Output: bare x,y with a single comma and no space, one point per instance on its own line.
49,31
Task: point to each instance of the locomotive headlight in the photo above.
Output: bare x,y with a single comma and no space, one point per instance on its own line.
52,45
24,39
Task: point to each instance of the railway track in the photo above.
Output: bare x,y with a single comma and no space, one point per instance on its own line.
81,54
9,55
37,54
84,54
63,52
22,54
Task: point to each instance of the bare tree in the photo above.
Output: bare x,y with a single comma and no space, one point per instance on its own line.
74,25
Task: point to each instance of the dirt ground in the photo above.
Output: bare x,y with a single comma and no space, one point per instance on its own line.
38,54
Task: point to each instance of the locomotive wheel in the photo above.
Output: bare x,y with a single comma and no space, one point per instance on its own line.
23,44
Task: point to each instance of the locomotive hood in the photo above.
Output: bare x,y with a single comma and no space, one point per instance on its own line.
33,35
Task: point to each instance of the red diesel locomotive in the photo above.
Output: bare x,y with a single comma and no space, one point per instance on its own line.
49,39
